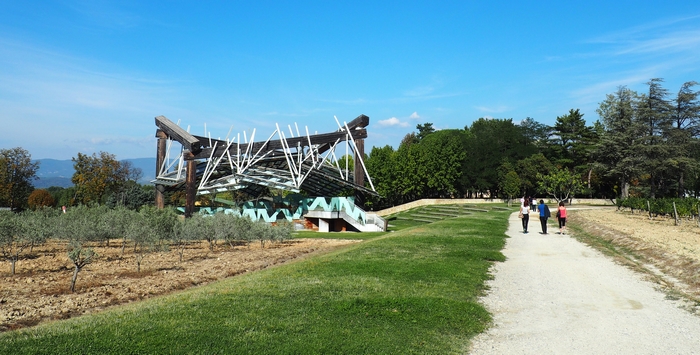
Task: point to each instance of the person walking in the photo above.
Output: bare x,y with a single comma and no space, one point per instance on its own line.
525,213
544,214
561,216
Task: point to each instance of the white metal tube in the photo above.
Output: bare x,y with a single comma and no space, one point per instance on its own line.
290,160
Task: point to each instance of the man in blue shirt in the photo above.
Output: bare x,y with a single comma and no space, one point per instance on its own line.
544,214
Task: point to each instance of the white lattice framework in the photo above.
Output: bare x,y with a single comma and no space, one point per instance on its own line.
282,161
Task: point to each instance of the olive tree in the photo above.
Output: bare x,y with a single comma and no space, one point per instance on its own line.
184,233
149,229
78,226
19,233
283,231
143,238
244,230
38,225
102,225
117,220
161,221
241,228
224,228
10,245
80,256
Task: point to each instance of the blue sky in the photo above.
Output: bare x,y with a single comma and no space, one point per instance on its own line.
89,76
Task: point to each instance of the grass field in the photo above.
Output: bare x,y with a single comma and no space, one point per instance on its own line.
410,291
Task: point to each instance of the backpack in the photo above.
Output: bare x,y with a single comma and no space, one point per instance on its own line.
546,211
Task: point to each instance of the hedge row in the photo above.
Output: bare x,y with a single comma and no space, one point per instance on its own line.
686,207
147,230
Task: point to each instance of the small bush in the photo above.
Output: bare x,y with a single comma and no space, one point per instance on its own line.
685,207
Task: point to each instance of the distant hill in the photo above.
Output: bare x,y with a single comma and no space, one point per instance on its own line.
46,182
53,172
55,168
147,166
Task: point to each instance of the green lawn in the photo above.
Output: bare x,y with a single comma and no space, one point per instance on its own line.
409,291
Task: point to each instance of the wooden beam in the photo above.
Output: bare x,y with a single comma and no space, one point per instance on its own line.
188,141
361,121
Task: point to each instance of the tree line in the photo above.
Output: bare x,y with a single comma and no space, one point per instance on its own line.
644,145
99,179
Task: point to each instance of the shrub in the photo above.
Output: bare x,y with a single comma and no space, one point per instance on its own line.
685,207
40,198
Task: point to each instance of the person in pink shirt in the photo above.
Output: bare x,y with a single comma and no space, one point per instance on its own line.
561,216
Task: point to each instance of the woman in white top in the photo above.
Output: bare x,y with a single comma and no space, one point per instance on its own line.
524,210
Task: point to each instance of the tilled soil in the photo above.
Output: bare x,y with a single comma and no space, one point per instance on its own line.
657,245
40,288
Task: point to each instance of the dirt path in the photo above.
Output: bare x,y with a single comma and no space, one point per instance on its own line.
555,295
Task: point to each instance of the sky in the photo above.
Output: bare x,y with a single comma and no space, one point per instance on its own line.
90,76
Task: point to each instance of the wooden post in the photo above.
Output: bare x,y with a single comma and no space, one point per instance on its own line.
359,154
359,173
649,208
190,186
160,157
675,212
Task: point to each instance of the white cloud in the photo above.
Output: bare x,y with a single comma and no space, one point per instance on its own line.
596,92
420,91
687,41
414,116
497,109
649,41
391,122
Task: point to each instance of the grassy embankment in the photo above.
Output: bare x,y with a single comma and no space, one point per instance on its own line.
410,291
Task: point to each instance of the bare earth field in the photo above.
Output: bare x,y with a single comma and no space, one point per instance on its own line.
39,290
670,254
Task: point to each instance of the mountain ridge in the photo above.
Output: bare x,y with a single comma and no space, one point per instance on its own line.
56,172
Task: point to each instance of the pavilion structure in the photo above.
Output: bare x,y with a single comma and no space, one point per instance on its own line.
294,161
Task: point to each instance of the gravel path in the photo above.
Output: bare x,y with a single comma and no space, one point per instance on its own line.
555,295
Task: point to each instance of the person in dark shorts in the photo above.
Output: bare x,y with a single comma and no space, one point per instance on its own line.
544,215
561,216
525,212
